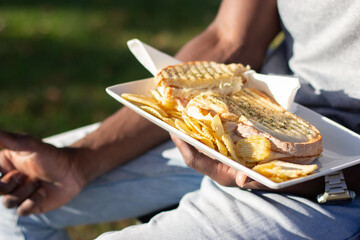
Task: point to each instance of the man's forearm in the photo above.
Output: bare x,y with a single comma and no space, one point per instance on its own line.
120,138
241,32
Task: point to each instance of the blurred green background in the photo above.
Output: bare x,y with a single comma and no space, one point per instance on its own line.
57,58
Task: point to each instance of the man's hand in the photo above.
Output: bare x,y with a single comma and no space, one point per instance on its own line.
228,176
218,171
37,177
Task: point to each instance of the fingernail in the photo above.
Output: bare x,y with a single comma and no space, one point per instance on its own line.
241,180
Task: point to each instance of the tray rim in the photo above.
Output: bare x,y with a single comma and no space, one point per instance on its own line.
256,176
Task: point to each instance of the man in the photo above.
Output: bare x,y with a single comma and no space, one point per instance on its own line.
241,32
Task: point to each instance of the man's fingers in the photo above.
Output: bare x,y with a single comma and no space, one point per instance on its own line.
191,156
242,180
10,181
16,197
218,171
32,204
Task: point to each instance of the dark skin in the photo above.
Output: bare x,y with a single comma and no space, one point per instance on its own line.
50,177
39,177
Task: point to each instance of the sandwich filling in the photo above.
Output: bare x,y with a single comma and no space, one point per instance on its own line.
251,113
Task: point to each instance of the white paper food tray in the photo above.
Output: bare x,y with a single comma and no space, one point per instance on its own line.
341,146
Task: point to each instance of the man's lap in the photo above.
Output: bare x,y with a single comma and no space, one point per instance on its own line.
159,179
212,213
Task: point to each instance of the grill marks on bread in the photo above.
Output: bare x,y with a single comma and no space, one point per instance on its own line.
256,114
188,79
262,110
254,108
196,74
203,89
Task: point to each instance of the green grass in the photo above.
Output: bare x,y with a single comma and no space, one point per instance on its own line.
57,58
87,232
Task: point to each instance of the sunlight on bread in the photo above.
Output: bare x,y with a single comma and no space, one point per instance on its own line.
243,124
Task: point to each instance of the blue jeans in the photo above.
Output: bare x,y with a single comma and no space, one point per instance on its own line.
217,212
151,182
210,211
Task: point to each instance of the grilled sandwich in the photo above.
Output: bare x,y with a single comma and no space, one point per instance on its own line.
260,129
179,83
250,113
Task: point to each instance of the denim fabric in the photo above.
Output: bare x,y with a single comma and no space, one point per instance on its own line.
217,212
151,182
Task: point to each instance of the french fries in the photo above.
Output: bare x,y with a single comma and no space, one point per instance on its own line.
250,151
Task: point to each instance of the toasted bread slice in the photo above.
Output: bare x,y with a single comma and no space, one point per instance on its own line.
186,80
252,113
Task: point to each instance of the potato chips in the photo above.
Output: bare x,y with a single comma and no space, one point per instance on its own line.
280,171
250,152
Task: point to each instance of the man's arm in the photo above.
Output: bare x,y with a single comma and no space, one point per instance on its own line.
120,138
39,177
241,32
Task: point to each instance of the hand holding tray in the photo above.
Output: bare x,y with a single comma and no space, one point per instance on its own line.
340,144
